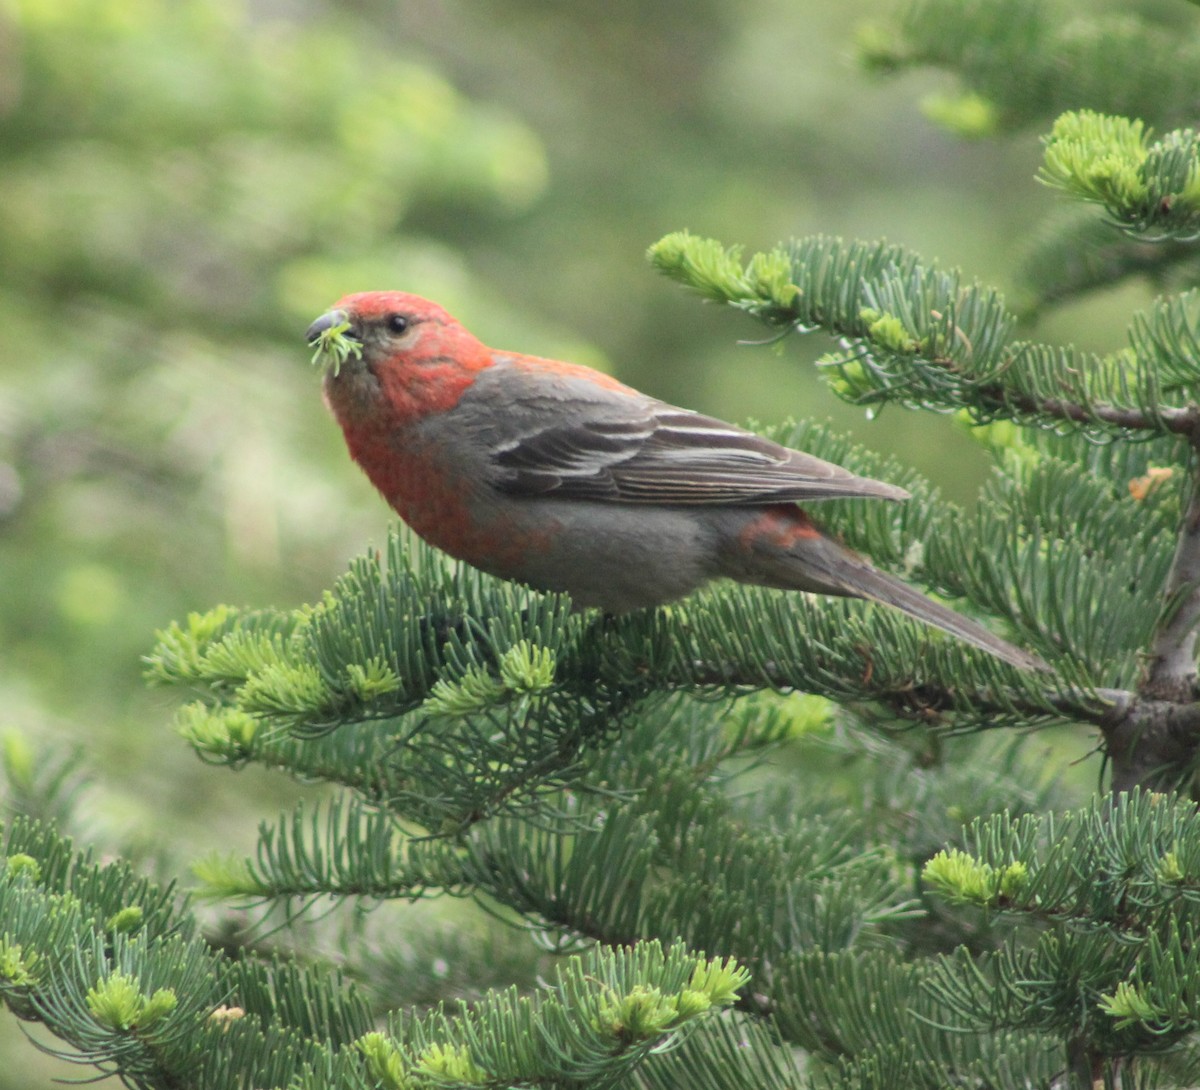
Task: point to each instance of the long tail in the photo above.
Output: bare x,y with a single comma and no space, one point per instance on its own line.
874,585
782,547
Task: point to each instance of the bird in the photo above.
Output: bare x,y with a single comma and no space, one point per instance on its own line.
561,477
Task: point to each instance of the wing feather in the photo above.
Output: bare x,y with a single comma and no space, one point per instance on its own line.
668,455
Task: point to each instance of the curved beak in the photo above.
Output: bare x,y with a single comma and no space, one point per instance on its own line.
326,322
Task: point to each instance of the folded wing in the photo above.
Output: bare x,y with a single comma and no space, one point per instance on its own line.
654,453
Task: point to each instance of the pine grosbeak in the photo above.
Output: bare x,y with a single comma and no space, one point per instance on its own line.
564,478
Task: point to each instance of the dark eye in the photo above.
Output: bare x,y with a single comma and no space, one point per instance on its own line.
397,323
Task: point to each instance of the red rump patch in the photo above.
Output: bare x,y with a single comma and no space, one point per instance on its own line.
780,526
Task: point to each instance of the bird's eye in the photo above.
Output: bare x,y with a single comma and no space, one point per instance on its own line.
397,323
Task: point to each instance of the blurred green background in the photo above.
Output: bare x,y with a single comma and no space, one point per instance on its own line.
184,185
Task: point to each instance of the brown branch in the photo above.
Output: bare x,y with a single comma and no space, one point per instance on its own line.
1177,420
1171,673
1180,421
1153,741
1101,707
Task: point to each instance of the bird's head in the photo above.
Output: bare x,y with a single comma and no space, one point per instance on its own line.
384,349
373,327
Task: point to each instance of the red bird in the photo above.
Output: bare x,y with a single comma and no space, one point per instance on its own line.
563,478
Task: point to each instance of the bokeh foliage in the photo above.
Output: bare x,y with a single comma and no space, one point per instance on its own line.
184,184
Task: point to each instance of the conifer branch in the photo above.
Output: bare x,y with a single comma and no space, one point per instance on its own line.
1177,421
918,335
1146,189
112,966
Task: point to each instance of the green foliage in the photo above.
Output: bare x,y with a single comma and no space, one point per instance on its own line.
649,837
220,1022
1103,80
602,1017
959,878
1144,187
889,899
308,166
918,335
1031,60
1110,894
333,348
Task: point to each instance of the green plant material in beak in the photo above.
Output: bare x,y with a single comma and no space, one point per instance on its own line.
333,348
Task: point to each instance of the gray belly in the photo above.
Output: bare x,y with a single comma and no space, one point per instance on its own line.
620,558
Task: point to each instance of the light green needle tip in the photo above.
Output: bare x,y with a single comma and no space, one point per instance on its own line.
333,348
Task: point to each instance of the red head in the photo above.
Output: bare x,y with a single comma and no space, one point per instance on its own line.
413,359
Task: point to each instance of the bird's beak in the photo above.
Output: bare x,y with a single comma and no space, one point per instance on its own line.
325,323
334,341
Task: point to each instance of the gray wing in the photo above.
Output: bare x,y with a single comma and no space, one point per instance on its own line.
654,453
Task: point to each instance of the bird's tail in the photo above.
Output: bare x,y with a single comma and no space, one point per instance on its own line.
876,586
786,549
